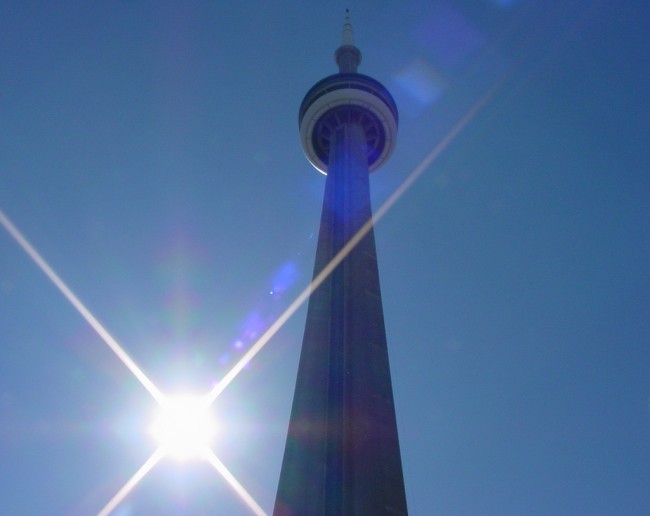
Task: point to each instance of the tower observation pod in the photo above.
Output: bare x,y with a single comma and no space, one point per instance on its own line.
342,452
345,98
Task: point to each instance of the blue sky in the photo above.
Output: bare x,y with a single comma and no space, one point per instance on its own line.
150,152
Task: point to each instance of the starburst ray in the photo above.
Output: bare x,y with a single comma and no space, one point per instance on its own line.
236,486
132,482
81,308
358,236
266,336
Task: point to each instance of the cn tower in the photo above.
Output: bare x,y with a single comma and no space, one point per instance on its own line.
342,451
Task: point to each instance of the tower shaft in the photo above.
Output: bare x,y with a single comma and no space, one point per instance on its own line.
342,452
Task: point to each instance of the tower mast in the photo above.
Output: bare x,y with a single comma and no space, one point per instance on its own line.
342,450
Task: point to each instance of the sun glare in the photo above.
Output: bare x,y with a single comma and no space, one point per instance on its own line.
184,427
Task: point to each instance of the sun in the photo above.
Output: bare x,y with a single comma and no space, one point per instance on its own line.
184,427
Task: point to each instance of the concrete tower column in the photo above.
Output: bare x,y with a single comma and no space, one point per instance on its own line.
342,451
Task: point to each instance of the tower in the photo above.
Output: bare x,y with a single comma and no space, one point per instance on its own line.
342,451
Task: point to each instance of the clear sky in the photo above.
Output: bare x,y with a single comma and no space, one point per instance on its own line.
150,152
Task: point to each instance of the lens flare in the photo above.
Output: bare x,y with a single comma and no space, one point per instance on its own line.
184,421
236,486
81,308
178,425
356,238
184,427
132,482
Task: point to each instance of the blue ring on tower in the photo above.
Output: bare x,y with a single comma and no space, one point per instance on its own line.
344,98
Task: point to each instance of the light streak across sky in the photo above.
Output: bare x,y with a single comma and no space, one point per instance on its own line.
168,181
236,486
131,483
356,238
81,308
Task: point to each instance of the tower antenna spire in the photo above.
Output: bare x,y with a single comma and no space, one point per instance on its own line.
348,35
347,56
